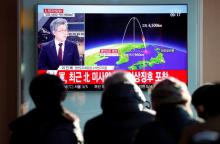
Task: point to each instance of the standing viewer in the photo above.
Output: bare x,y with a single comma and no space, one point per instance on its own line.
171,101
48,123
123,112
206,101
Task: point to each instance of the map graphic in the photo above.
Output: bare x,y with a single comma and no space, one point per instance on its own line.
138,54
136,57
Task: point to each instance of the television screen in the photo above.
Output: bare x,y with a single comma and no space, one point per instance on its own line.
83,44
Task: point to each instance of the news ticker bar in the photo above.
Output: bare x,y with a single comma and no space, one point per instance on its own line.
96,87
92,77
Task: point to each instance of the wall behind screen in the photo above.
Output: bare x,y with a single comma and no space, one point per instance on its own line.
87,104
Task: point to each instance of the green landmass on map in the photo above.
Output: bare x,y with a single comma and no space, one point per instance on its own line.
91,60
123,49
142,64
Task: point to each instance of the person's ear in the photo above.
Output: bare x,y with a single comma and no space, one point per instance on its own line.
53,32
200,108
63,96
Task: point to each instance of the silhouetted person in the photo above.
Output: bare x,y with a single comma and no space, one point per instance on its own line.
48,123
199,97
123,112
209,132
171,101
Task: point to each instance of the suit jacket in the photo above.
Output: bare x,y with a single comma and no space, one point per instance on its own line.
48,59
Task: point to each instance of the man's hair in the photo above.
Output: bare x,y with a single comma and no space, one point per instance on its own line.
47,89
57,22
200,94
211,101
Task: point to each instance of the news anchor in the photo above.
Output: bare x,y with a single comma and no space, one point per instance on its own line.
59,51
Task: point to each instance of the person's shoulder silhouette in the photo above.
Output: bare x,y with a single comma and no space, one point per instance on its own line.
48,122
123,112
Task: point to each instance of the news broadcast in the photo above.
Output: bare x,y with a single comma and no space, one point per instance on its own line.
149,41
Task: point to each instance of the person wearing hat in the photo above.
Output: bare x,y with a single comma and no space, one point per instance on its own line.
123,112
171,101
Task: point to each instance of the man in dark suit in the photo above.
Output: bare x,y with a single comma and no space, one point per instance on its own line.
58,51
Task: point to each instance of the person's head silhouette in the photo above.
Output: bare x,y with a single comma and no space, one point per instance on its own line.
49,122
47,91
199,98
205,100
170,92
121,93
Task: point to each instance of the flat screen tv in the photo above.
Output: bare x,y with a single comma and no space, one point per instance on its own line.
150,41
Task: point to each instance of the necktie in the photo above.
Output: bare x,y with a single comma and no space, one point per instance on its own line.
60,54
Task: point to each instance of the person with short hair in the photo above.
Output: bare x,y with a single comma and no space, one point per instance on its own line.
49,122
206,100
123,112
199,98
59,51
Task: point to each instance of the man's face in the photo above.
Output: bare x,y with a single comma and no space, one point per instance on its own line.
61,33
